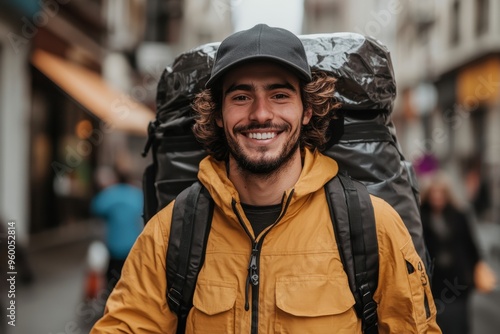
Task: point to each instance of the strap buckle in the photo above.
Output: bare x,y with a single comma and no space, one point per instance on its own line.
174,298
151,136
369,312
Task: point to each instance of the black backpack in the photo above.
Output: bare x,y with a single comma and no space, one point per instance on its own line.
355,232
363,139
362,135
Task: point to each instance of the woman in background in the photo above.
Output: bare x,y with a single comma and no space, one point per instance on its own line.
458,267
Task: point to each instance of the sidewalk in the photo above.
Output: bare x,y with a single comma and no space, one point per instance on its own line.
485,309
53,303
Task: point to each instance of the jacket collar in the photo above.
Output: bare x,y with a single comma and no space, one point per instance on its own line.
317,170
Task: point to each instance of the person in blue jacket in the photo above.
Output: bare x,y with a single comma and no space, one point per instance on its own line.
120,205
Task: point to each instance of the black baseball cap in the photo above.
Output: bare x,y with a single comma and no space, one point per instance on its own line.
261,42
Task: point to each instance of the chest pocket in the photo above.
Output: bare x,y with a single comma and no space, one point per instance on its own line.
315,304
213,308
420,289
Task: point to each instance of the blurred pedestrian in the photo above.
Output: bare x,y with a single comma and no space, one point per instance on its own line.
120,204
458,267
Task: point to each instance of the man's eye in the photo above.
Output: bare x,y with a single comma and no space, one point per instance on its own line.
240,98
280,96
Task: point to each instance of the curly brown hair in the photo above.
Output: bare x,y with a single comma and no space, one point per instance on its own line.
317,95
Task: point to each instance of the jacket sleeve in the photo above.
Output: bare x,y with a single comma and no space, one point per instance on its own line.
138,302
404,298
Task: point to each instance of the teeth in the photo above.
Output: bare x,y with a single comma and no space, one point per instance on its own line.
262,136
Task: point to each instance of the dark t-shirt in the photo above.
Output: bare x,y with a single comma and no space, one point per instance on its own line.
261,217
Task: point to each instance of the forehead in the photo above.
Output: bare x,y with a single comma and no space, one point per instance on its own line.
265,71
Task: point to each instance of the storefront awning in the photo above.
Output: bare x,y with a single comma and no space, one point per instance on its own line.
118,110
478,83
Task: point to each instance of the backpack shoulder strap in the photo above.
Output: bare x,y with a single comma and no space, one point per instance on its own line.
353,221
191,221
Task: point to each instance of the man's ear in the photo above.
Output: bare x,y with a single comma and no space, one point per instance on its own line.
307,116
219,122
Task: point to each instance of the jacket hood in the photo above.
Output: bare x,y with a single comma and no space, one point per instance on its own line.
317,170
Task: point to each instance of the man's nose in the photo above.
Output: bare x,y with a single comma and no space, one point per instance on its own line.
261,111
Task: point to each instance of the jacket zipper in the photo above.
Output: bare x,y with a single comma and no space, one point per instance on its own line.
253,278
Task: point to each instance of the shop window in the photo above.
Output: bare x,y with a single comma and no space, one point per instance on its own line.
482,15
455,23
478,119
163,20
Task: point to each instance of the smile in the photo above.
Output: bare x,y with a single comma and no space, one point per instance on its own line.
261,136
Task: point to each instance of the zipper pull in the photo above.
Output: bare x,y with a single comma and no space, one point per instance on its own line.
253,276
252,269
247,305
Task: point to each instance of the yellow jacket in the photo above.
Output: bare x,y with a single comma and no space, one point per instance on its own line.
302,285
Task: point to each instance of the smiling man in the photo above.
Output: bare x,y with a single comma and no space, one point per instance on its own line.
272,264
262,117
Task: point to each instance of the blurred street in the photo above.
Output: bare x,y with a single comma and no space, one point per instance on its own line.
79,86
485,309
53,303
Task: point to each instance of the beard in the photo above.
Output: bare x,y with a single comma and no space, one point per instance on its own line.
264,167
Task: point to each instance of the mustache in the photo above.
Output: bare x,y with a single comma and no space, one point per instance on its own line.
260,126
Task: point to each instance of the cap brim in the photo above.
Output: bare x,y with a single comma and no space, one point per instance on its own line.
303,75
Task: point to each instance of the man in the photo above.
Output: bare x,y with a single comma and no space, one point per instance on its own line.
263,118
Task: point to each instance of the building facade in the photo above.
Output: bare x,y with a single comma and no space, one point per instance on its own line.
78,86
448,72
67,105
14,122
